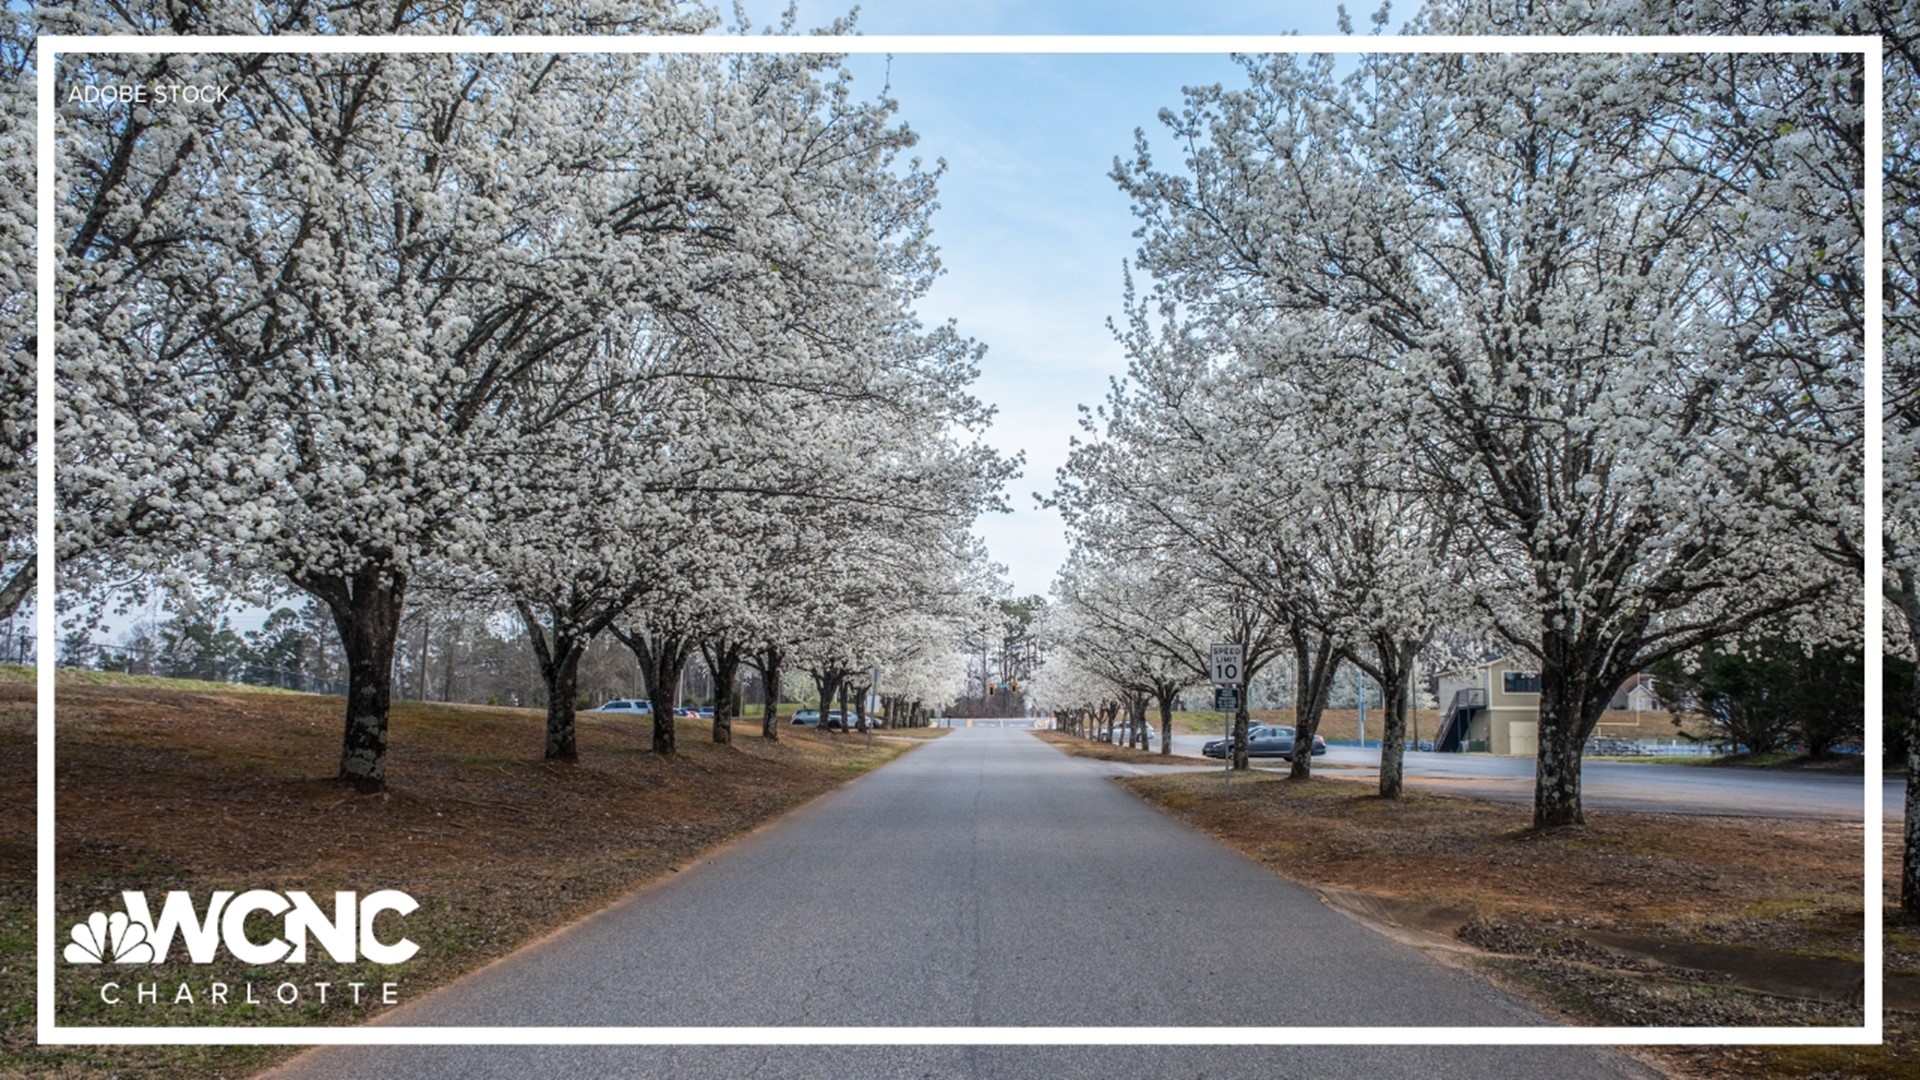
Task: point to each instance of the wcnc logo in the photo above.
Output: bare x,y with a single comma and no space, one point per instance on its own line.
136,937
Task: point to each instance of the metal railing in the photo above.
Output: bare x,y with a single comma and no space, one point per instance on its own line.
1453,727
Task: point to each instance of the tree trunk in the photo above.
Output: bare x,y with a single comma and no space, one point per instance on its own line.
1317,662
366,610
827,682
559,656
724,660
1393,742
1910,848
672,661
662,657
1394,673
1165,694
769,667
562,686
1556,785
1573,691
1907,599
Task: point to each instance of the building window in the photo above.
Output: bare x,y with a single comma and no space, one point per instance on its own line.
1520,682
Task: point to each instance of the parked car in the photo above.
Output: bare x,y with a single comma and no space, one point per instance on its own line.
836,720
1265,740
705,712
686,712
626,705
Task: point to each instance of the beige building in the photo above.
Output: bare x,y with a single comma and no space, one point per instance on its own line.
1495,708
1492,708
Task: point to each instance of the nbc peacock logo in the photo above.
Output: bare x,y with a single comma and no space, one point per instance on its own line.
115,935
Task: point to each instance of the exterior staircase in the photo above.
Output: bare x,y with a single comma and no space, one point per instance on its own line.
1459,715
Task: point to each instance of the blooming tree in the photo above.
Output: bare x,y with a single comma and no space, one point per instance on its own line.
17,337
1900,188
310,327
1582,287
1136,634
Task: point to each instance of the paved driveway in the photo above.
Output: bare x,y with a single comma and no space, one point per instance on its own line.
985,879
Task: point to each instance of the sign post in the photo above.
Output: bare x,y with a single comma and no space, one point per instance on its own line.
1228,669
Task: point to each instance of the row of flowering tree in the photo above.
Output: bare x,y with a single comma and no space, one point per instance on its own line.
626,341
1900,208
17,340
1563,349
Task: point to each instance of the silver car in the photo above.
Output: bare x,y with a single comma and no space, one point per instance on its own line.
626,705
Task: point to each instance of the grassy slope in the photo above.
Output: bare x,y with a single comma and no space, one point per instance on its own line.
207,786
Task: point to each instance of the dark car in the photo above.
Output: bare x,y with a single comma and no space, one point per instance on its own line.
1265,740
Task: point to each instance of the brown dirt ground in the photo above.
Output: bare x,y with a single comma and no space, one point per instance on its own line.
198,789
1630,919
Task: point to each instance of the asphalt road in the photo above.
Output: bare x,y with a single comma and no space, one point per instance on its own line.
1621,785
985,879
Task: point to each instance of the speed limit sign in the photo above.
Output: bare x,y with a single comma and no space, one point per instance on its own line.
1228,664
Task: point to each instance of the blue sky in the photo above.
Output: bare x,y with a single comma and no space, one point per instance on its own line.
1032,232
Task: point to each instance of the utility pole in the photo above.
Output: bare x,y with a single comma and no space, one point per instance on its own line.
1360,703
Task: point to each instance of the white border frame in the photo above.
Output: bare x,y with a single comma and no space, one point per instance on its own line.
53,47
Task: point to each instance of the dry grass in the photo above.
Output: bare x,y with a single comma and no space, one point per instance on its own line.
161,789
1631,919
1079,747
1650,873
